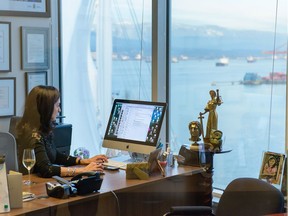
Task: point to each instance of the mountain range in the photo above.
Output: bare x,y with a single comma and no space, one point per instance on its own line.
207,41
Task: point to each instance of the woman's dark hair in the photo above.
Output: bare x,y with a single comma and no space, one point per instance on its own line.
275,159
39,107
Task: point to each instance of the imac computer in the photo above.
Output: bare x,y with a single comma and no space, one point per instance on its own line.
134,126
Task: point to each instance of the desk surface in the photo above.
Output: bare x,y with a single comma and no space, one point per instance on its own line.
112,181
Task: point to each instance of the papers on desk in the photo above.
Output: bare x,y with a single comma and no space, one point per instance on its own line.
27,196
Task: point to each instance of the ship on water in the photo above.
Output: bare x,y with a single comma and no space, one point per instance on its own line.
251,78
250,59
224,61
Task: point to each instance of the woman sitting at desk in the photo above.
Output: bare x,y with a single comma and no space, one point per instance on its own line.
35,130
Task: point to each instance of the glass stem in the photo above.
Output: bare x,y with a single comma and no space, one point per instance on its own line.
29,175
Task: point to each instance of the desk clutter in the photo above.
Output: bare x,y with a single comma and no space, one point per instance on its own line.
137,171
81,184
153,189
4,195
10,188
27,196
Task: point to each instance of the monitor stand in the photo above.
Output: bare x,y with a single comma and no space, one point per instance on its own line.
125,156
138,157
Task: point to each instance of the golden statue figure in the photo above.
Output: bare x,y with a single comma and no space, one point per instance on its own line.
195,129
212,121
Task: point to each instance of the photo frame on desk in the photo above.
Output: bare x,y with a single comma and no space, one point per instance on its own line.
5,46
39,8
7,96
284,179
35,48
34,79
272,167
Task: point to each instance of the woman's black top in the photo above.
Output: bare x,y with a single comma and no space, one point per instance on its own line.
48,158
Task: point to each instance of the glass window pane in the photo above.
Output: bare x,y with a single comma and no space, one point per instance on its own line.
251,79
106,53
131,39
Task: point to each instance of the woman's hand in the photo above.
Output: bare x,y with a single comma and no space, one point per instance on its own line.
97,159
93,166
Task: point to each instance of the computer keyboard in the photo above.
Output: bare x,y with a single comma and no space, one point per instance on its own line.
119,164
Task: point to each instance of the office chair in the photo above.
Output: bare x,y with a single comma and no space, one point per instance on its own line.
12,126
62,134
242,197
9,149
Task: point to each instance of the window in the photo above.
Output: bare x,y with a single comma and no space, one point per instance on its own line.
106,54
229,45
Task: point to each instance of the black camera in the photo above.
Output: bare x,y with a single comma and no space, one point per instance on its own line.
58,190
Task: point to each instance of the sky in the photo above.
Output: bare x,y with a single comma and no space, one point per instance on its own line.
244,14
228,13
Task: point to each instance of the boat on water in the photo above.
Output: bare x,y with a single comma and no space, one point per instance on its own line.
114,56
174,60
125,57
224,61
275,78
250,59
183,58
138,56
252,79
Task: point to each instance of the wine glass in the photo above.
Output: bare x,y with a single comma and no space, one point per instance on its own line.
28,161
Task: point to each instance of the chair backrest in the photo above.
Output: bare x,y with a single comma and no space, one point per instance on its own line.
250,196
12,126
62,134
9,149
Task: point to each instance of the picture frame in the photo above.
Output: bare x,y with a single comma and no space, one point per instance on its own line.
39,8
272,167
5,47
284,179
34,79
7,96
35,48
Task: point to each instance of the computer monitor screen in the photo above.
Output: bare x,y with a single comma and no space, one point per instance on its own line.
134,126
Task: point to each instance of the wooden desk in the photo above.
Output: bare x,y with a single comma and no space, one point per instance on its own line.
183,185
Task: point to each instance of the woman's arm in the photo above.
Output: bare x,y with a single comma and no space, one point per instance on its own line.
72,171
45,166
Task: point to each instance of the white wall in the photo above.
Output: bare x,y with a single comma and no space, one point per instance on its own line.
16,71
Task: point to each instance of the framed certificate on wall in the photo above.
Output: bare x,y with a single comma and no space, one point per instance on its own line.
30,8
5,46
35,48
7,96
34,79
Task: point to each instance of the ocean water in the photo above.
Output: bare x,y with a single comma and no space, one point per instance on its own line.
252,118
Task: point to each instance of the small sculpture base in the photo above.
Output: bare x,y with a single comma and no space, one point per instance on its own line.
195,146
191,157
